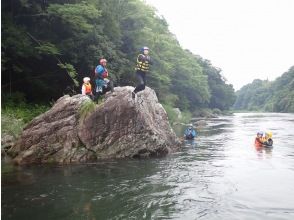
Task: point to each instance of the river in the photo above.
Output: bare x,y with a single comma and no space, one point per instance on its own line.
219,176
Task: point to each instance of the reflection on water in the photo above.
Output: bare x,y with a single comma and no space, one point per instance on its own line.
219,175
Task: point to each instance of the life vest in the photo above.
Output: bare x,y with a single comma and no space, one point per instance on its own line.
101,71
258,142
142,65
88,88
105,73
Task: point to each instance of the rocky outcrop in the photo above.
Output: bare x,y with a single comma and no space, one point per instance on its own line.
118,128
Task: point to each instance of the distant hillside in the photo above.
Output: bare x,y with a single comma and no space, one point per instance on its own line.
270,96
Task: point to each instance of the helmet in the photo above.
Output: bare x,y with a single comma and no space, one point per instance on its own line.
103,61
144,48
269,134
86,79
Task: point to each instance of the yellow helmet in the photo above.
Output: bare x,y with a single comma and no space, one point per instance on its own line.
269,134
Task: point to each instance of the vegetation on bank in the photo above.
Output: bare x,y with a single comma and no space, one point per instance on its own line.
269,96
16,113
177,117
86,108
49,46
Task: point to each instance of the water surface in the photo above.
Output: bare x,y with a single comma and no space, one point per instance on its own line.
221,175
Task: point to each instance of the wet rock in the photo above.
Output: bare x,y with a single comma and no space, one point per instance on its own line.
118,128
200,123
7,141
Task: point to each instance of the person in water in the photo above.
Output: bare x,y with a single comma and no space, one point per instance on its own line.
264,139
190,133
259,139
268,141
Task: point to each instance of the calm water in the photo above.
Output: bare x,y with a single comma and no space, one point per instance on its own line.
220,176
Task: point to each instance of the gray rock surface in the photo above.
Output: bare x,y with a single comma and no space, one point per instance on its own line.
118,128
7,141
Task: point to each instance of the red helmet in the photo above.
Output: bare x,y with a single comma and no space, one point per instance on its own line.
103,61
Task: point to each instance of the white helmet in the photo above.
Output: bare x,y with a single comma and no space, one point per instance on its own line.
86,79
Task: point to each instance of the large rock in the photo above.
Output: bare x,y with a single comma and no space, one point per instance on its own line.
119,127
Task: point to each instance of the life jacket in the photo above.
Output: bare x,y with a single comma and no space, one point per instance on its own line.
142,65
190,133
101,71
105,73
88,88
258,142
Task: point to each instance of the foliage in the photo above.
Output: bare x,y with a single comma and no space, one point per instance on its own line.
49,46
270,96
222,94
16,106
11,125
16,113
86,108
71,71
173,115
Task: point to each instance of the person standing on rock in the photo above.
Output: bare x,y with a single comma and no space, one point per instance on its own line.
103,84
87,88
142,67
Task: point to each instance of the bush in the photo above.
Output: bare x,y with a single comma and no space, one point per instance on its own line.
86,108
11,125
16,113
203,113
186,117
216,111
173,116
15,106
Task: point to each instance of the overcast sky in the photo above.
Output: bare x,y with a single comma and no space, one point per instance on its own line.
247,39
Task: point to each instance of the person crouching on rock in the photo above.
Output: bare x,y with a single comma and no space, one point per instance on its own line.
87,88
103,84
143,63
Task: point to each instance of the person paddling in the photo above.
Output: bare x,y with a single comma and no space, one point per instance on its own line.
142,67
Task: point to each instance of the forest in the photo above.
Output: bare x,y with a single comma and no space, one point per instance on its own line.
268,96
49,46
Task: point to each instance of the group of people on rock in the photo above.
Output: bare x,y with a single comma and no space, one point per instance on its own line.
103,84
263,139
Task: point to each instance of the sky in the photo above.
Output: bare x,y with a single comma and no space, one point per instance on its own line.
247,39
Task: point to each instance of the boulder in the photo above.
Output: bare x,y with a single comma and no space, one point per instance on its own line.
7,141
120,127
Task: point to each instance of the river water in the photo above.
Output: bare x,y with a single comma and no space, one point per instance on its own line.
219,176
